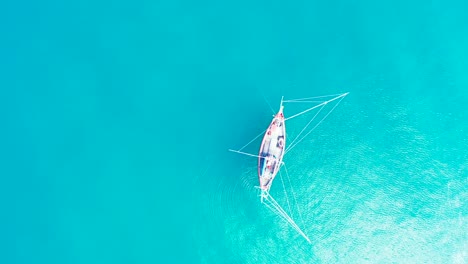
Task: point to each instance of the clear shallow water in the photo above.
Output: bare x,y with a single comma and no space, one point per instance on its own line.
117,116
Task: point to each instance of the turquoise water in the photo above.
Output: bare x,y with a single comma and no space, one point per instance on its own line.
116,118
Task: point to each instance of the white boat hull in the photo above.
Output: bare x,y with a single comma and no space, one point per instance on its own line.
272,151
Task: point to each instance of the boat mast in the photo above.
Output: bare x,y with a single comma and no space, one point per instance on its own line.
281,104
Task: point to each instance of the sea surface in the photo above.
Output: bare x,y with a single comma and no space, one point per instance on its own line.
116,118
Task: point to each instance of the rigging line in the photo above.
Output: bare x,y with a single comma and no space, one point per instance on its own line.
290,148
271,206
280,209
295,101
253,140
274,208
304,128
315,97
307,110
275,211
285,193
289,219
268,103
245,153
294,195
312,108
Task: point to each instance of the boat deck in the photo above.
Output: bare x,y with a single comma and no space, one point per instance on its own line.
272,151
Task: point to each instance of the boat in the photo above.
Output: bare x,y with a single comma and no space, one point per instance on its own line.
273,149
